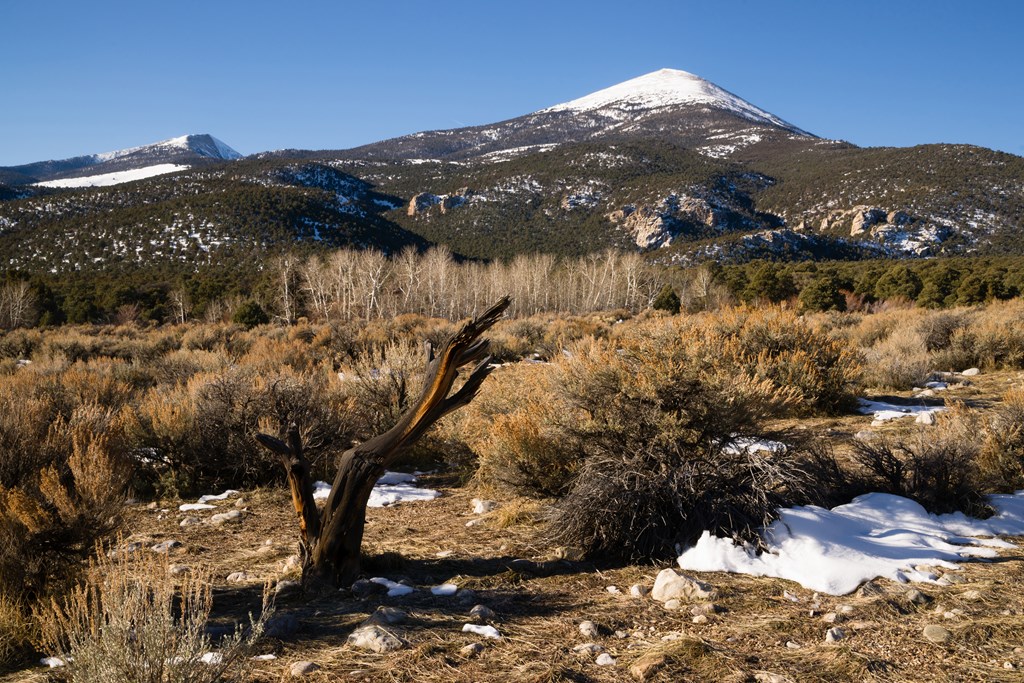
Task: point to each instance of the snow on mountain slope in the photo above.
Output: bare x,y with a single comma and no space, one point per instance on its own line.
666,88
204,145
116,178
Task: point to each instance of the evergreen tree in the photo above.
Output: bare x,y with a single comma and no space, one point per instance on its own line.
667,300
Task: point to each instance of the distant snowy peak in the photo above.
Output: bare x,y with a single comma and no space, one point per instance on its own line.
204,145
668,88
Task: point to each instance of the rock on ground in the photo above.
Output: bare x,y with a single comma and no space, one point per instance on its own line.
374,638
482,614
673,585
301,669
229,517
937,634
647,665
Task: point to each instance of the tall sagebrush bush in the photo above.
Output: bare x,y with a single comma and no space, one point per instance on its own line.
668,448
130,622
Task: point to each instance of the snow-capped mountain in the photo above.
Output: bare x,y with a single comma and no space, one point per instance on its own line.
667,88
669,104
122,165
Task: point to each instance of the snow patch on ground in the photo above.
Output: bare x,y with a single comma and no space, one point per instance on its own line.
394,589
882,411
392,488
116,178
485,631
876,535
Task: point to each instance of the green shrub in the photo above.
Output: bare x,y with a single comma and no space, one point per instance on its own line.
667,300
250,314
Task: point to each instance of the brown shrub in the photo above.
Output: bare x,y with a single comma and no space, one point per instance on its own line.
49,522
667,448
129,621
936,467
515,429
901,361
1001,460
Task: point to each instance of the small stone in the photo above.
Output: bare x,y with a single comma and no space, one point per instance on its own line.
240,503
364,589
971,372
482,507
706,608
287,589
671,584
622,635
152,506
165,547
954,578
863,625
178,569
387,615
925,393
375,639
614,590
482,614
190,521
229,517
647,665
768,677
792,646
589,629
864,435
917,597
605,659
834,634
845,609
465,596
673,605
937,634
472,650
475,522
870,589
971,596
925,417
831,618
238,577
282,625
589,649
700,619
302,669
638,591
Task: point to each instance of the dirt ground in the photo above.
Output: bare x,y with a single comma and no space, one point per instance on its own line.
763,629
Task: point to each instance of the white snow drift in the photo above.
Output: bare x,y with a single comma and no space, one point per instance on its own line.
392,488
876,535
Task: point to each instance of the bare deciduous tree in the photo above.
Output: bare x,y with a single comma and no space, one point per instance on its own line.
331,538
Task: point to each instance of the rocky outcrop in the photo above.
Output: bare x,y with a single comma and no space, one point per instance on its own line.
864,218
652,227
424,201
649,228
421,202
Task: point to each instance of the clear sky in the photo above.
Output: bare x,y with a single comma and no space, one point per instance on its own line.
91,76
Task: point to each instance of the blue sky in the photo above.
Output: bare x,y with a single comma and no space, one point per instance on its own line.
81,77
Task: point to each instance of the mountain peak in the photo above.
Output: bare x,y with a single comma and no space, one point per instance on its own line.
667,88
203,144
